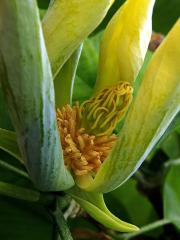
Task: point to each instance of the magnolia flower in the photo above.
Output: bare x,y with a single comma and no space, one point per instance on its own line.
90,155
87,130
99,160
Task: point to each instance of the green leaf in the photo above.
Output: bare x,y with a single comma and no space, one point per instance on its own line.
165,15
28,86
171,196
64,82
94,205
82,90
87,68
128,201
24,220
17,192
8,143
171,145
43,3
5,121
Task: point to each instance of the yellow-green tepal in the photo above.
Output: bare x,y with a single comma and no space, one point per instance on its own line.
125,43
155,106
67,23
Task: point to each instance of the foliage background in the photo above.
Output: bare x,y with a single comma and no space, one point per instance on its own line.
151,196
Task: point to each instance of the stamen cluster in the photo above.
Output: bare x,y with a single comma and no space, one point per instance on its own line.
83,153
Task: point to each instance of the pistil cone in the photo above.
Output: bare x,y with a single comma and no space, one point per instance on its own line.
101,113
83,153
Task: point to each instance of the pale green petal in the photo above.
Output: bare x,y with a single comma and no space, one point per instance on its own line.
95,206
125,43
27,83
67,23
154,108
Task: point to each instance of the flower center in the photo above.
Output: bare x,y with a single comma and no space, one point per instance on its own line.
86,131
83,153
101,113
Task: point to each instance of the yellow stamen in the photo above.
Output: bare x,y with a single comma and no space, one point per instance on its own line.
83,153
101,113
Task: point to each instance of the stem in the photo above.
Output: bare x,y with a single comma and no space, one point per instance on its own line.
144,229
139,176
174,162
62,228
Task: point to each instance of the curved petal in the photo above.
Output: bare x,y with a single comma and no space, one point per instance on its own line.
95,206
28,86
154,108
125,43
67,23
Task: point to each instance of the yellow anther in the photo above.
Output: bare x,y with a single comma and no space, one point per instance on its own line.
83,153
